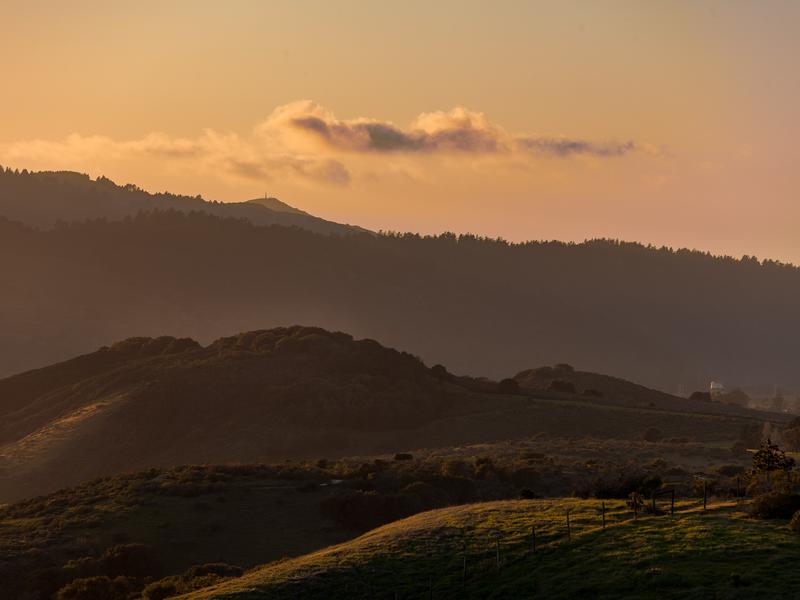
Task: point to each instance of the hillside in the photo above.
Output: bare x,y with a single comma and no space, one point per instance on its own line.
289,393
479,306
43,199
721,554
169,521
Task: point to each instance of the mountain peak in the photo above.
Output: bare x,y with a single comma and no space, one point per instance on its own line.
276,205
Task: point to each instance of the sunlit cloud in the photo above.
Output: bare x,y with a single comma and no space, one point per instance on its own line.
306,143
459,130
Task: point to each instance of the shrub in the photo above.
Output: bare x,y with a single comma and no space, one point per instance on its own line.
440,372
455,467
593,392
403,456
771,458
565,367
775,505
160,590
97,588
794,524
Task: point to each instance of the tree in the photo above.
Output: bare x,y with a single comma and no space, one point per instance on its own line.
771,458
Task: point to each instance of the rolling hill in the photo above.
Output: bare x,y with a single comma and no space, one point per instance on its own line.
486,551
176,529
289,393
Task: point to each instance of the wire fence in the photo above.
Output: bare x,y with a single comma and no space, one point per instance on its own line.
457,560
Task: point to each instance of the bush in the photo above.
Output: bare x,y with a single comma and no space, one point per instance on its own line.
97,588
771,458
592,392
403,456
161,589
775,505
794,524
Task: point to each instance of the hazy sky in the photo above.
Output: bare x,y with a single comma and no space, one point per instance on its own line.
666,122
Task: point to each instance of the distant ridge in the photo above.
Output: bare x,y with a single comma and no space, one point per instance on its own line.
294,392
42,199
276,205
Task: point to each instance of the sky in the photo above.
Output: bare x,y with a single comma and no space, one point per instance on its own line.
672,123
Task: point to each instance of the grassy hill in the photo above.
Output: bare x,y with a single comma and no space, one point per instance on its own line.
163,524
291,393
719,554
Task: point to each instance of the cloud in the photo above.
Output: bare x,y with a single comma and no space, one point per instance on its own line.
459,130
568,147
223,153
306,143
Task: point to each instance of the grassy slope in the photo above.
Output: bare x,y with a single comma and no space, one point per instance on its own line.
721,554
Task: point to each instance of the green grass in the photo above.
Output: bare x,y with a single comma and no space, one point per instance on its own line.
718,554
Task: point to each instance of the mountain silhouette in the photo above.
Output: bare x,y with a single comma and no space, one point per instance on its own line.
42,199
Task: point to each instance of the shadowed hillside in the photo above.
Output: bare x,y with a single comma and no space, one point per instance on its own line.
42,199
298,392
655,316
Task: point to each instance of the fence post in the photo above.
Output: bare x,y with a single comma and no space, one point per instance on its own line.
737,486
569,529
497,551
705,494
603,512
672,504
464,551
635,502
654,504
533,536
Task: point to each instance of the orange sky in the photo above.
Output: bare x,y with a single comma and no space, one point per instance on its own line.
665,122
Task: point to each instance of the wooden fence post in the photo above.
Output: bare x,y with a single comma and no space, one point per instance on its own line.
533,536
497,551
705,494
569,529
464,552
603,512
654,504
634,499
672,504
737,486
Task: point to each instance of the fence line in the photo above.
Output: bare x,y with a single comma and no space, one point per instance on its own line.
484,555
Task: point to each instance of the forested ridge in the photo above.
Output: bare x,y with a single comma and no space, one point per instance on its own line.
659,316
